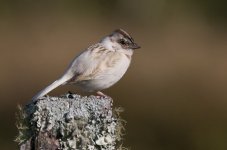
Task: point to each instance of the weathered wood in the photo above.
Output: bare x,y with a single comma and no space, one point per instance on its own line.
70,122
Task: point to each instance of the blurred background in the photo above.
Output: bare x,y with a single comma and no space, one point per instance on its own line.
174,93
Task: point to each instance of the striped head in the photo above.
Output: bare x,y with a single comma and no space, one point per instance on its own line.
119,40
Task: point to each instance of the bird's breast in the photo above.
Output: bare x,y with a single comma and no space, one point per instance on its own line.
108,72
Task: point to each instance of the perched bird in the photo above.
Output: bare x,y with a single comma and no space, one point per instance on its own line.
99,66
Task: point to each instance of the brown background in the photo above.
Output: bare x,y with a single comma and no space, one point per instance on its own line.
174,93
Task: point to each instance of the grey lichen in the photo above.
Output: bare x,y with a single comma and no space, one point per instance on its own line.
71,122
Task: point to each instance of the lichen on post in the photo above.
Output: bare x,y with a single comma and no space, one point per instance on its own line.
70,122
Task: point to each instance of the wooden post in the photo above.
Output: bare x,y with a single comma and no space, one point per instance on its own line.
70,122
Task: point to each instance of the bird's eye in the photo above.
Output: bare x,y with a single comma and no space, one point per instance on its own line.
122,41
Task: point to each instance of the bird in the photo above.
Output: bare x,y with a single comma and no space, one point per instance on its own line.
99,66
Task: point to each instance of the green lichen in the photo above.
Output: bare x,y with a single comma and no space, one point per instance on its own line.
22,124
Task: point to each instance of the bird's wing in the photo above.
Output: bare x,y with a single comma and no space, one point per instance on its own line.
85,65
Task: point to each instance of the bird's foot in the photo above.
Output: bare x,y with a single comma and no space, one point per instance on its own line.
100,94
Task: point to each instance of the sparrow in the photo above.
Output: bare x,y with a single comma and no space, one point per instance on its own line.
99,66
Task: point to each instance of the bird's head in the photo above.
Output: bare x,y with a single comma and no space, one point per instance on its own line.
119,40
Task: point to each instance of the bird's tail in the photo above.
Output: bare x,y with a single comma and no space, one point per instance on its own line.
50,87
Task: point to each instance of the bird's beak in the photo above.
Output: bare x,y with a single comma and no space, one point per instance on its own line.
134,46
